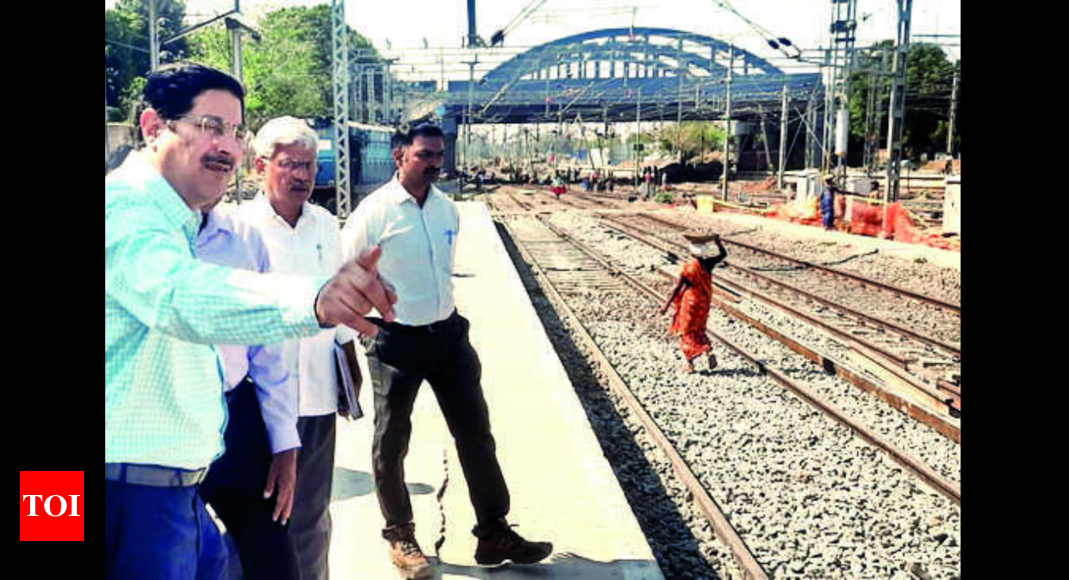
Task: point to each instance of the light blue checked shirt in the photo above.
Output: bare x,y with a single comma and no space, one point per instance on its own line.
163,386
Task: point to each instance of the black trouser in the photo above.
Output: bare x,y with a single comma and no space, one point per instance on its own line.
400,359
310,521
234,488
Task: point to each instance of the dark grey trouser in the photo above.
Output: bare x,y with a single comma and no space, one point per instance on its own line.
399,360
310,520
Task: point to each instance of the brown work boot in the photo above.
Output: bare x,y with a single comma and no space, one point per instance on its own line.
497,543
405,552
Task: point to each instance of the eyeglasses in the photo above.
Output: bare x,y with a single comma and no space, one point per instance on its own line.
217,128
292,166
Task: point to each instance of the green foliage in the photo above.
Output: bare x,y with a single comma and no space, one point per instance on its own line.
929,83
287,73
131,95
663,197
691,136
127,26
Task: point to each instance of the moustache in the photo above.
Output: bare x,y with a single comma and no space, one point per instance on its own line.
223,161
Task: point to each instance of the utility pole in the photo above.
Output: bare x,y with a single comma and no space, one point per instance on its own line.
471,88
107,145
872,128
764,135
153,42
387,92
953,107
782,137
843,26
236,70
560,135
898,108
372,114
340,82
638,132
358,103
235,44
679,107
727,134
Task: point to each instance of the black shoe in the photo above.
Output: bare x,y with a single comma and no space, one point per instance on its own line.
497,543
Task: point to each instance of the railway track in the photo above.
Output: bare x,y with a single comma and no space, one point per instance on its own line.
890,350
573,271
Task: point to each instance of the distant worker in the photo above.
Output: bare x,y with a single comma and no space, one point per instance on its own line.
827,202
692,296
558,186
874,190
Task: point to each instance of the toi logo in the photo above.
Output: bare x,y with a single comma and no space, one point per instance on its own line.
52,505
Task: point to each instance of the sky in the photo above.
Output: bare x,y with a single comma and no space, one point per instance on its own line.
405,24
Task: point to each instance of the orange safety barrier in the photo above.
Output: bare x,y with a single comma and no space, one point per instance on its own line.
866,219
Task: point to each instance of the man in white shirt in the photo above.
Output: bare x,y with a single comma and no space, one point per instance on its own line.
261,429
416,225
302,238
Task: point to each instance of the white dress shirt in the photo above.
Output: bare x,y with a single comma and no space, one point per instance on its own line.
418,248
229,242
311,248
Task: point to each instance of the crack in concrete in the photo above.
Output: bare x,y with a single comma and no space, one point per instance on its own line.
441,509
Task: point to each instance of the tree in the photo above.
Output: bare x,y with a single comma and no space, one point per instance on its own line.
126,47
691,137
929,83
289,71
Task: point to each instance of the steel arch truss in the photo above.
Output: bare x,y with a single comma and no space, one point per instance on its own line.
606,73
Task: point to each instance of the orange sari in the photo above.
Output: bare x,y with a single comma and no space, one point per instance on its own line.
692,310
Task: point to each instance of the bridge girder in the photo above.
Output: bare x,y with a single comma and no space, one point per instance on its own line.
677,68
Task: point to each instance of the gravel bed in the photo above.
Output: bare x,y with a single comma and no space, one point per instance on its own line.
681,539
810,499
907,434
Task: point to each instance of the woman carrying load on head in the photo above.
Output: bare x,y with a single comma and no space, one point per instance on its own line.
692,296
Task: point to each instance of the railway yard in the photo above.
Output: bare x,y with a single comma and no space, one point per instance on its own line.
827,441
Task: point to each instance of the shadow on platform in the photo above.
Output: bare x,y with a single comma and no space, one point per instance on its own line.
566,565
348,484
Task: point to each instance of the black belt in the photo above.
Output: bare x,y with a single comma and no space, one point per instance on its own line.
153,475
427,328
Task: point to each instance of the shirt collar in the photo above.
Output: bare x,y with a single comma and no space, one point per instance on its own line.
137,170
268,211
218,223
399,195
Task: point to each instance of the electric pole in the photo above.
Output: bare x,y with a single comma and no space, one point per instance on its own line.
727,133
953,107
898,108
340,82
782,137
153,43
638,131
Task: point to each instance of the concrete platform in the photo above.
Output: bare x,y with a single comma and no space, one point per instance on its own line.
562,488
901,250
